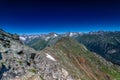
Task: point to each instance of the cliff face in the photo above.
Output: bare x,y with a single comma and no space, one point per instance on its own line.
14,56
65,60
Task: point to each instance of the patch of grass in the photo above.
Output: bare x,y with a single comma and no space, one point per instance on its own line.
41,77
73,50
20,62
112,71
32,70
3,62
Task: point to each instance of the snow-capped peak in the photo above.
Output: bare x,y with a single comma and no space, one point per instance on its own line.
73,34
55,35
22,38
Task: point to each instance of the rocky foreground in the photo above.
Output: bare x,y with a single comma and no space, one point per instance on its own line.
65,60
23,63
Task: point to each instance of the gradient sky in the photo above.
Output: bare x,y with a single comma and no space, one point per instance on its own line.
42,16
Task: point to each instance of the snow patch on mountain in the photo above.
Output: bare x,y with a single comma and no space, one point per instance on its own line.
47,38
50,57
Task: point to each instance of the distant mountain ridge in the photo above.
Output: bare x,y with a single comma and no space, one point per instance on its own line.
70,34
106,44
40,41
32,36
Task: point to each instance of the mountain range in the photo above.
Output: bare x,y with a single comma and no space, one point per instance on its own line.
106,44
70,56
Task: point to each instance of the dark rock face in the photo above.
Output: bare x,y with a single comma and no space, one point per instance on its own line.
15,36
33,56
20,53
0,56
2,70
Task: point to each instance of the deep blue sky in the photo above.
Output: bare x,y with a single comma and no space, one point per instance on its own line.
38,16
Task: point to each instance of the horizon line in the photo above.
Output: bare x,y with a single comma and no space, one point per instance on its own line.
69,32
